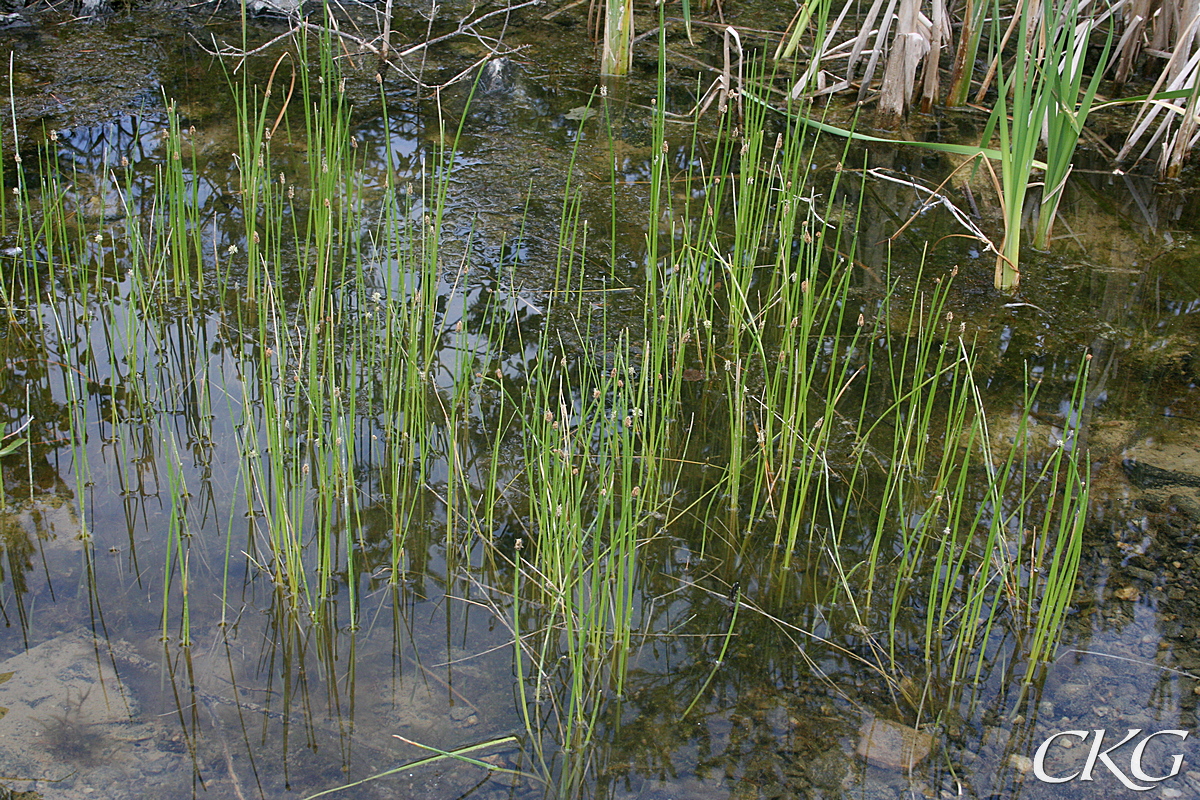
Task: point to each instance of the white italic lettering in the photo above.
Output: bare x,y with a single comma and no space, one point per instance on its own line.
1102,755
1039,758
1135,760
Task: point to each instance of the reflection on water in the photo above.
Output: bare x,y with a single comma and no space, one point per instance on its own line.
156,646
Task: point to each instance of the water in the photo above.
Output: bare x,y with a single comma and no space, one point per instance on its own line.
142,435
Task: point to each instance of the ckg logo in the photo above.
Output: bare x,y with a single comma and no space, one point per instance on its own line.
1133,776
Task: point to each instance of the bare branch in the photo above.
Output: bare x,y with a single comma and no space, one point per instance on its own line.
466,27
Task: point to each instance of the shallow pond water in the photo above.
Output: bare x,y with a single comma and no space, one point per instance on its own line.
157,645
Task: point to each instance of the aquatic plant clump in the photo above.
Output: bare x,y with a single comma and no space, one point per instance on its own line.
323,413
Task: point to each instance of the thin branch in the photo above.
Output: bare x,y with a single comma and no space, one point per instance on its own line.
466,27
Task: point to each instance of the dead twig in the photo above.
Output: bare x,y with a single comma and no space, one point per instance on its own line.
466,27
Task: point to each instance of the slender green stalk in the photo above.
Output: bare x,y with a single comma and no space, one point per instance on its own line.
1064,514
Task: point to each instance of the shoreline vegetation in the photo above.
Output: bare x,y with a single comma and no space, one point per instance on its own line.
1036,70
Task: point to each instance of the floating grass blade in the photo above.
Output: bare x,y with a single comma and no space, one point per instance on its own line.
458,754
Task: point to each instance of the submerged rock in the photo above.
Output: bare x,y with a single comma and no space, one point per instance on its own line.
499,76
64,708
1167,472
1151,464
275,8
14,20
891,745
830,770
